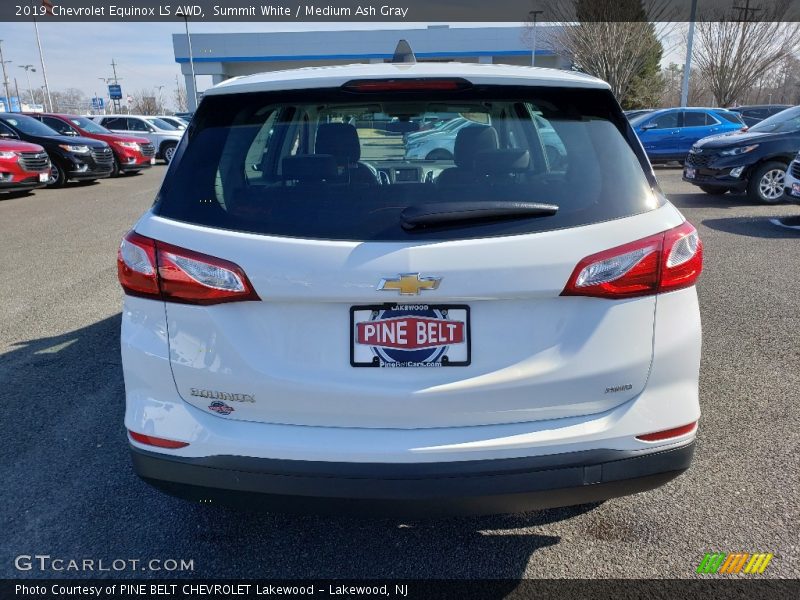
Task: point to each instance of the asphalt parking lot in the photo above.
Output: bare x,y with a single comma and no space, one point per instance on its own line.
68,489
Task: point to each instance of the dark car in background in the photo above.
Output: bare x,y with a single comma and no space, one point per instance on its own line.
131,154
754,161
636,112
752,115
669,133
71,158
23,166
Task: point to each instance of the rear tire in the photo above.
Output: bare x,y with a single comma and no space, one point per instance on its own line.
766,183
168,152
713,189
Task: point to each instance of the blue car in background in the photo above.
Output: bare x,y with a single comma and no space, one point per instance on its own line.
668,134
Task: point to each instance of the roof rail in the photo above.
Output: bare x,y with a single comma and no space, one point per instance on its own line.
403,53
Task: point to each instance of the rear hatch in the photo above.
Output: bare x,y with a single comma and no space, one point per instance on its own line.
404,293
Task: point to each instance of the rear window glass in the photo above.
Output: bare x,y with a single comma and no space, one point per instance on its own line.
731,117
332,164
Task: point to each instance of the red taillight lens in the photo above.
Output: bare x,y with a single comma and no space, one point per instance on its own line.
683,258
659,263
406,85
668,433
154,269
136,265
156,441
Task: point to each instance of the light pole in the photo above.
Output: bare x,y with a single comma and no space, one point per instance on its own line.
29,68
534,14
5,77
191,64
160,99
687,67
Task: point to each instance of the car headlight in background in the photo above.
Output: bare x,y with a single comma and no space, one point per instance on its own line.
8,155
128,145
738,150
75,149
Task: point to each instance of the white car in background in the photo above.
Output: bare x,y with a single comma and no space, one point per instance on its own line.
176,122
161,134
308,326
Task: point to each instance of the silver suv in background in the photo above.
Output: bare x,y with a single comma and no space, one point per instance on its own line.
176,122
161,134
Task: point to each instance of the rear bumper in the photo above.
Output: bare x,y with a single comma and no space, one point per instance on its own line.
418,489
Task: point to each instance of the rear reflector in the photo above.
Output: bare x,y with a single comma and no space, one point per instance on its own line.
156,441
406,85
153,269
668,433
659,263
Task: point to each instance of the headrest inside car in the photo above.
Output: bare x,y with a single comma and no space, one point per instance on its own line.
309,168
471,140
339,140
500,162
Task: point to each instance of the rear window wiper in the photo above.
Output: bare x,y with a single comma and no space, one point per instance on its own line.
419,216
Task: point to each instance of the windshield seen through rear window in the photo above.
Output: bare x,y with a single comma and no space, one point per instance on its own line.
331,164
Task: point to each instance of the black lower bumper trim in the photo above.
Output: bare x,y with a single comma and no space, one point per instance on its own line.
84,175
20,187
422,489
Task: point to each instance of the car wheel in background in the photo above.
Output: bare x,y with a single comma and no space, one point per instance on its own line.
439,154
115,170
713,189
57,175
766,183
168,152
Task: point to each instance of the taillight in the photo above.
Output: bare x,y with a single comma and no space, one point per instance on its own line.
406,85
158,442
154,269
667,434
659,263
136,265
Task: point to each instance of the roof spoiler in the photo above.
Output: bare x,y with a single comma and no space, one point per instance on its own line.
403,53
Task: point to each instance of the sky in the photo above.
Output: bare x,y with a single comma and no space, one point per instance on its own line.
79,54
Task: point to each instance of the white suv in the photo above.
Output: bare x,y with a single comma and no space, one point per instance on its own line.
313,321
162,135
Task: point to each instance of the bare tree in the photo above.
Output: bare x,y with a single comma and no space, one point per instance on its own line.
610,39
70,100
181,103
144,103
735,48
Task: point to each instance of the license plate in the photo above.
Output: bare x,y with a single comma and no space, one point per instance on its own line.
44,177
410,335
153,160
690,173
796,189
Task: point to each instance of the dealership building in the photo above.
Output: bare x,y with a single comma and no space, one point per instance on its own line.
225,55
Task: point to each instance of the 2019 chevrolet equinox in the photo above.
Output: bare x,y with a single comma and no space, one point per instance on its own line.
314,321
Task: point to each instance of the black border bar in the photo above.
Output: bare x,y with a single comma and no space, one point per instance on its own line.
408,11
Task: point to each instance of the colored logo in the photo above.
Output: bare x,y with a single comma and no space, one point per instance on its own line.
220,407
414,335
409,284
736,562
410,332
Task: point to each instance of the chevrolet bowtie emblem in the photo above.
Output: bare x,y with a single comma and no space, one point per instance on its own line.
409,284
